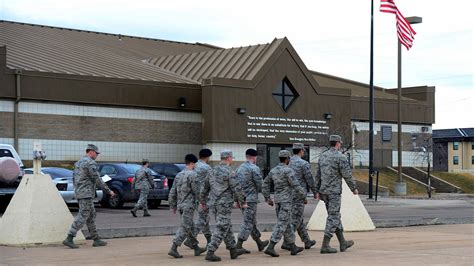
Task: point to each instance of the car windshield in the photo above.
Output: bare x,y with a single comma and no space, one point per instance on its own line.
57,172
132,168
5,153
181,166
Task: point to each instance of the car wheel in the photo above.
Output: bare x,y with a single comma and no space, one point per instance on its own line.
153,204
116,201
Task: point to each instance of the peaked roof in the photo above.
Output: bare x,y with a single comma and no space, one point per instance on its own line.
241,63
58,50
453,133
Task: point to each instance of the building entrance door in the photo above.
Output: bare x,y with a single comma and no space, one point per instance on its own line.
268,156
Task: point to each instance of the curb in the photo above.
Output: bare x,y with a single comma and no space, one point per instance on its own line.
145,231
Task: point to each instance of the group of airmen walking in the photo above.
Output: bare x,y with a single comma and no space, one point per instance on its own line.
203,189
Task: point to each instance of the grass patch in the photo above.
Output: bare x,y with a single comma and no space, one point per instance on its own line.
463,180
388,179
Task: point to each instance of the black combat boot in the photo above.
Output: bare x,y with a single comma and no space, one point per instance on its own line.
99,243
134,212
343,243
295,249
261,244
208,239
271,250
211,257
286,246
70,242
236,252
174,252
188,243
198,250
309,244
239,246
146,213
325,248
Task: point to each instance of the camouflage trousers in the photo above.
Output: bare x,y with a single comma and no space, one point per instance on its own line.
202,223
142,202
249,225
283,228
297,220
223,231
186,228
85,215
333,206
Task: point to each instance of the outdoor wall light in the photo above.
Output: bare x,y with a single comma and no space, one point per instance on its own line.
327,116
182,102
241,111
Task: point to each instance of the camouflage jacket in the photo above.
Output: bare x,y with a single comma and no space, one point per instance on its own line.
303,174
332,168
143,179
86,177
221,186
285,184
203,170
184,191
251,180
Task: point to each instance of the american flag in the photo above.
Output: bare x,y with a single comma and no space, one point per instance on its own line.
405,32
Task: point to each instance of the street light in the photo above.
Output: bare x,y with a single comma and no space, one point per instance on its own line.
400,186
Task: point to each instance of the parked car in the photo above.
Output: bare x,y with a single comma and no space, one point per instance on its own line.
169,170
8,187
63,181
122,175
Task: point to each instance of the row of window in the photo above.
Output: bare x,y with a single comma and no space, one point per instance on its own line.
456,160
456,145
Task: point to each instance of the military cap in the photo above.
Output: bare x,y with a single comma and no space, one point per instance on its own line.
190,158
226,153
335,138
283,154
299,146
205,153
251,152
93,147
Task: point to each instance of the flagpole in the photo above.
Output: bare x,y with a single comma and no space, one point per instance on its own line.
371,104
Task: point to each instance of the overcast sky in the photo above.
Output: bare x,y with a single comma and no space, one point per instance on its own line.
330,36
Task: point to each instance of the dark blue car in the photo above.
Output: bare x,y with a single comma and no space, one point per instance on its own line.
122,175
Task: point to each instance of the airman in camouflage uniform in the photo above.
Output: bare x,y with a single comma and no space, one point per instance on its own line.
86,177
182,198
202,170
251,181
142,182
222,186
303,174
286,186
332,168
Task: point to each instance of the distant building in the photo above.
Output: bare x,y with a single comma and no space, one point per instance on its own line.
453,150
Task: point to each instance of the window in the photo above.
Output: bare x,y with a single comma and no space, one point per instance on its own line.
5,153
472,145
472,160
455,160
285,94
456,145
386,133
108,170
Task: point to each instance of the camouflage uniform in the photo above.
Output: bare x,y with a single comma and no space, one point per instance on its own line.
285,186
202,170
251,180
86,177
183,198
221,186
332,167
143,182
303,174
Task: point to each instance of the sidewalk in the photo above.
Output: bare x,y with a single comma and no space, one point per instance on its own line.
441,244
386,212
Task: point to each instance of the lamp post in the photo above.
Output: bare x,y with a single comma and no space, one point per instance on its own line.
400,186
